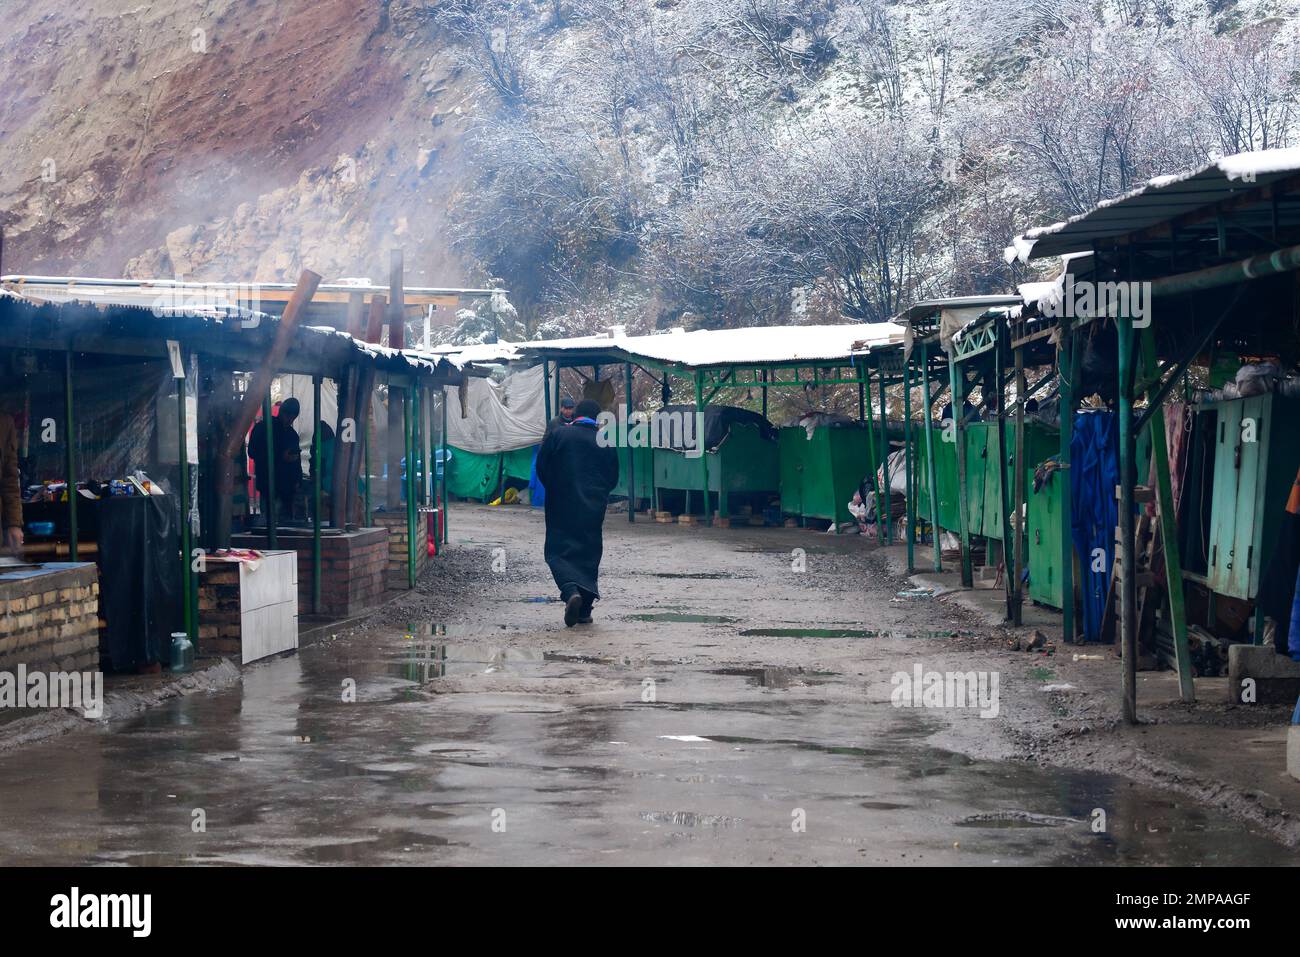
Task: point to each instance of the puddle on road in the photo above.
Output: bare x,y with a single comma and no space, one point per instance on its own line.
689,819
851,633
1016,819
404,778
694,576
811,633
678,617
762,677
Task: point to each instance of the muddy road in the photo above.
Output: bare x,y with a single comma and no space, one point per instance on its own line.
732,703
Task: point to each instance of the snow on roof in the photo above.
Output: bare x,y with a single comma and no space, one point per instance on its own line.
754,345
1157,201
145,292
928,307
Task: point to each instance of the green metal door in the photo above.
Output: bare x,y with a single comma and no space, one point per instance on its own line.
794,445
1044,552
1223,508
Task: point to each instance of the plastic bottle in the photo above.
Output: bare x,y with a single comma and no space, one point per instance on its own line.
182,653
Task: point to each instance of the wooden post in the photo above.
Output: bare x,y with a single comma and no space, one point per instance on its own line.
347,454
1168,527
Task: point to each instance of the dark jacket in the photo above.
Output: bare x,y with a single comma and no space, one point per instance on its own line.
578,475
288,456
11,488
558,422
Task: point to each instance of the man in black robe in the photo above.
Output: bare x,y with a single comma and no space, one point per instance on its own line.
288,458
578,474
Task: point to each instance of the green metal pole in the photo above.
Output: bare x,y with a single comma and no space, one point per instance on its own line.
884,460
1125,555
271,518
631,472
699,441
70,457
932,470
546,388
444,503
907,466
1020,480
315,497
408,424
1008,549
365,438
864,407
959,436
187,581
1168,529
1067,366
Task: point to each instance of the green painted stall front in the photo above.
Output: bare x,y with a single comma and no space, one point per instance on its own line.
743,463
643,472
1246,452
477,476
984,494
820,473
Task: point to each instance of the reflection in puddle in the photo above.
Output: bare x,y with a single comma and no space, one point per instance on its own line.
683,618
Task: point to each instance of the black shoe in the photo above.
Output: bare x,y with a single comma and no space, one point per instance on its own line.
572,610
584,618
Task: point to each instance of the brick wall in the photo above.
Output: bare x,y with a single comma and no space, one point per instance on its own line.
50,621
395,522
353,569
219,605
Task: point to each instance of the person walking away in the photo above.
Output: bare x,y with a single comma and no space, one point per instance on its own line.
288,457
578,474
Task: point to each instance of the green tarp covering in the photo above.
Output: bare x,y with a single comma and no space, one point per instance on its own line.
470,475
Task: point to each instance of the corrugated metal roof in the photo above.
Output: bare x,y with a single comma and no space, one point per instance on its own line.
1158,201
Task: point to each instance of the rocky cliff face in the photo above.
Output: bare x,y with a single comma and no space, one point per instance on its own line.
232,139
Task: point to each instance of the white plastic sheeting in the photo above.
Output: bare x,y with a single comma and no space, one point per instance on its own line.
497,416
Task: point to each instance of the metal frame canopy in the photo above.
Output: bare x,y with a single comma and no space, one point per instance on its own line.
685,353
1212,246
329,304
712,358
923,317
1252,192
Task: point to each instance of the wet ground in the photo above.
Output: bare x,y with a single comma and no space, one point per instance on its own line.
731,704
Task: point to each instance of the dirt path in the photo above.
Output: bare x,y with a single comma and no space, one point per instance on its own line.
731,704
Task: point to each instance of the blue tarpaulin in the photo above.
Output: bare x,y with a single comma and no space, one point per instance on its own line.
1094,473
536,493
